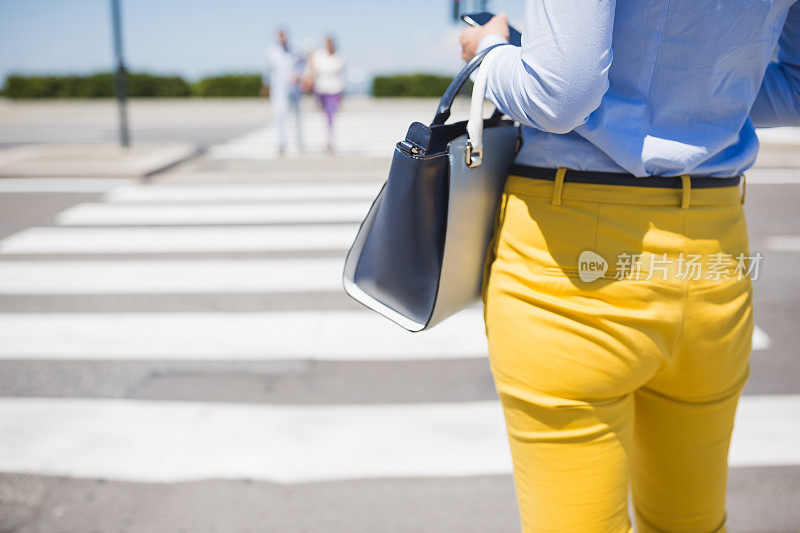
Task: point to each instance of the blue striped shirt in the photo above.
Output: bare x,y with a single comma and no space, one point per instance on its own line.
650,87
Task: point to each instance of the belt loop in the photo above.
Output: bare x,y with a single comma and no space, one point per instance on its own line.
558,185
744,186
686,186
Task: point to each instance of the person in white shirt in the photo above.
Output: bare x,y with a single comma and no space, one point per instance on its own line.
326,72
282,75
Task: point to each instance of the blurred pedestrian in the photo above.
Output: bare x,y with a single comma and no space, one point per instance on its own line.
326,77
283,77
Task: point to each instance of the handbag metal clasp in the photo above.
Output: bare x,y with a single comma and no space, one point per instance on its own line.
473,158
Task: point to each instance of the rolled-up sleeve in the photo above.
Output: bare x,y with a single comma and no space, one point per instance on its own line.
778,100
560,74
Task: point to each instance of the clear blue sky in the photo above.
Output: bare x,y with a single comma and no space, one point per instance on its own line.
195,38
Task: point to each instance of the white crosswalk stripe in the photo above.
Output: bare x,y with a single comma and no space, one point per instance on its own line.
168,441
242,192
175,441
773,176
206,276
784,243
194,239
60,185
237,213
321,335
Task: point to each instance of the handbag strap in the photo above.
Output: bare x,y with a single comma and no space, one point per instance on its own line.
443,112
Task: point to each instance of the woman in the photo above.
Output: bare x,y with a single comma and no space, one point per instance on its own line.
629,172
326,75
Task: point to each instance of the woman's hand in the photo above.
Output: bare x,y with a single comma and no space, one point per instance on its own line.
471,37
306,84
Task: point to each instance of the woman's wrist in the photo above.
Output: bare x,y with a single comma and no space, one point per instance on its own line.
490,40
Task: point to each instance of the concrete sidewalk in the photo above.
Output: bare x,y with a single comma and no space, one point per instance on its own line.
106,160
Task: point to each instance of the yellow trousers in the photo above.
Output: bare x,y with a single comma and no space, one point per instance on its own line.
628,381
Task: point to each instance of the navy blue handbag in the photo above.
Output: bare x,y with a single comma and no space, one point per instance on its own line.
419,254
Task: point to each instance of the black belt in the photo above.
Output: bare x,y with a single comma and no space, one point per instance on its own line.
619,178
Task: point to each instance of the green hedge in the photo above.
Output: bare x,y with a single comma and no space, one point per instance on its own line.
93,86
228,85
161,86
413,85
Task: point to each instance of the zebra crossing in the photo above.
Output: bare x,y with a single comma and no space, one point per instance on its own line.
114,247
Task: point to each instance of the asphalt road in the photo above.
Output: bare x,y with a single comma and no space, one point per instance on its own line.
155,378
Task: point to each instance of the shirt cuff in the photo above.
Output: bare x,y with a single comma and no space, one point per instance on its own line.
490,40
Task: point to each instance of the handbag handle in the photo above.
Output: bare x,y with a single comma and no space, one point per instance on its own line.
474,149
443,112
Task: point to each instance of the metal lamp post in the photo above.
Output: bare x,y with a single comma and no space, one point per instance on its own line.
120,77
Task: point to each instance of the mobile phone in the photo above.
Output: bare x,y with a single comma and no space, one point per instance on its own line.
479,19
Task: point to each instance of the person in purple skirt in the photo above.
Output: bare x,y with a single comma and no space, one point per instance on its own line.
326,77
